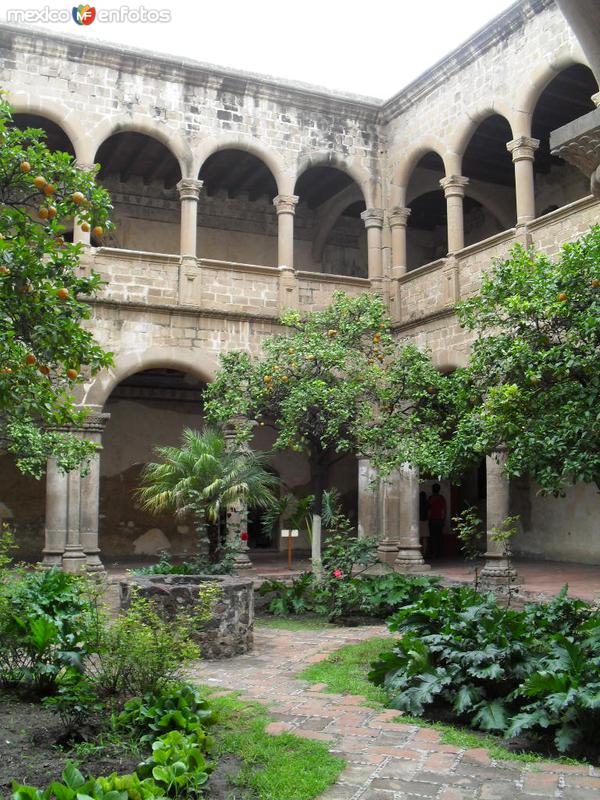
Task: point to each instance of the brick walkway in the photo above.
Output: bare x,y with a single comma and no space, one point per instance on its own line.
386,760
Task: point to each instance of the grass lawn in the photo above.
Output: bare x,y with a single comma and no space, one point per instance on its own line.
345,672
282,767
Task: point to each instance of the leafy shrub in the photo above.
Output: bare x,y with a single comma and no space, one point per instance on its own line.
199,565
175,707
336,596
48,623
75,787
177,764
498,669
564,693
458,649
140,651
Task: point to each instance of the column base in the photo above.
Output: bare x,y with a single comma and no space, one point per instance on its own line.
242,560
499,575
51,559
74,560
410,561
93,563
387,551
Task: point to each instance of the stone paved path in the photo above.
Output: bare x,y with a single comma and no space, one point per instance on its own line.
386,760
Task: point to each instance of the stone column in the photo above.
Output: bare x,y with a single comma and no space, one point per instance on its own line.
454,190
74,559
55,529
368,499
398,222
389,503
189,192
285,204
497,571
237,518
90,495
409,558
373,219
80,236
523,154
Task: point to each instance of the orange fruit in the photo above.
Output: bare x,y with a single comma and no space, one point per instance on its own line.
85,227
44,369
49,189
63,293
98,231
562,297
595,283
51,212
24,166
331,332
4,271
31,359
72,374
43,212
78,197
39,181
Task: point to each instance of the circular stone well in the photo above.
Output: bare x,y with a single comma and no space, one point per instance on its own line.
230,629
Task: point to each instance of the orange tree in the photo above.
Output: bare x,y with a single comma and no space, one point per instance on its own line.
533,381
335,382
45,350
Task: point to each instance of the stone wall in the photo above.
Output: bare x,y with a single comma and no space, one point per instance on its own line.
230,629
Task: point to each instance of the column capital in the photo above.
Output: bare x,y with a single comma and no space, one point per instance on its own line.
189,188
454,185
372,217
399,216
523,148
285,203
85,167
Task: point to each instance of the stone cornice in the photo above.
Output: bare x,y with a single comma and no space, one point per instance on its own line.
303,95
188,71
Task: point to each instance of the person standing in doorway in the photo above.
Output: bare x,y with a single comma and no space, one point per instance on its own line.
436,513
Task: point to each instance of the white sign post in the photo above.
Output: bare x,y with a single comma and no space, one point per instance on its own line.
289,535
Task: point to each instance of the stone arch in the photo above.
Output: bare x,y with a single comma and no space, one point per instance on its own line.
529,92
405,167
464,133
369,185
269,157
136,123
201,365
67,120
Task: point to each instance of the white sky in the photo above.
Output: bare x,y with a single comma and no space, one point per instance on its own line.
371,48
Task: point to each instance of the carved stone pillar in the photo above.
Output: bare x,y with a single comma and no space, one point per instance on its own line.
55,529
90,495
454,190
237,517
409,558
368,499
189,192
523,154
373,219
398,222
72,500
285,205
288,289
498,572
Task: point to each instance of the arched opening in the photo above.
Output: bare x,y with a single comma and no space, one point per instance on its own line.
489,205
426,232
22,508
329,234
148,409
141,175
565,98
56,138
236,216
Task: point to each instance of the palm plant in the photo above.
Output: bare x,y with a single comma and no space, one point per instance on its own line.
205,476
